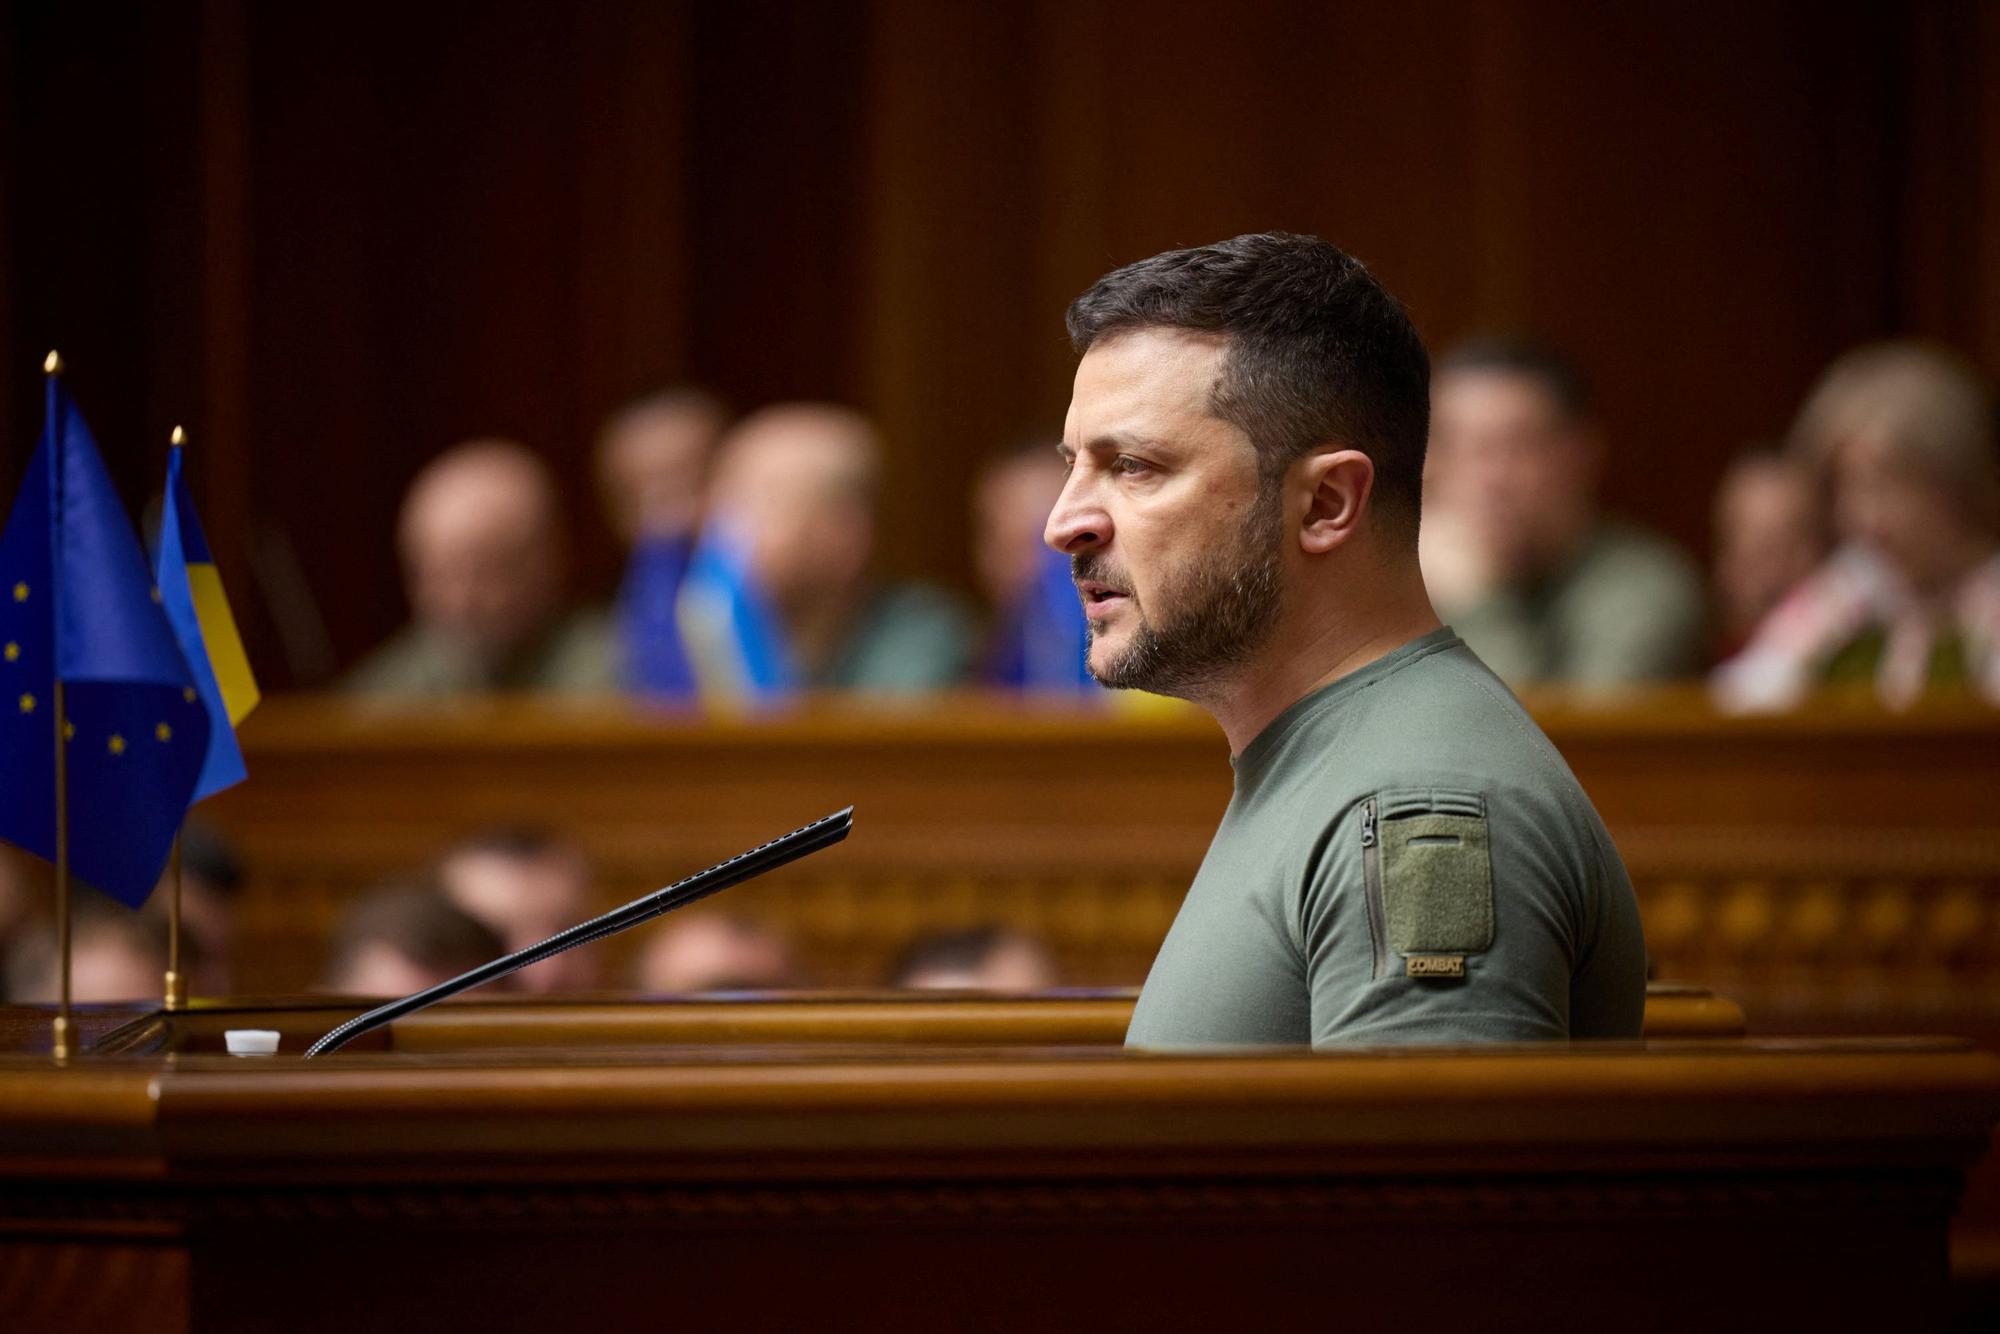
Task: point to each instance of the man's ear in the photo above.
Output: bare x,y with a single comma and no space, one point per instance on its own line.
1339,482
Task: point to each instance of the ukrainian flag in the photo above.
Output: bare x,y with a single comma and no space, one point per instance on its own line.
734,638
191,592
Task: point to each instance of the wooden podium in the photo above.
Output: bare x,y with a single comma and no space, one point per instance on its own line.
880,1163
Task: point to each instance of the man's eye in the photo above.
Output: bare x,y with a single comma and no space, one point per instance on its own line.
1128,465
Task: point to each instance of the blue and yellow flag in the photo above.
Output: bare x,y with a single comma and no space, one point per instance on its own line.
191,591
77,605
731,629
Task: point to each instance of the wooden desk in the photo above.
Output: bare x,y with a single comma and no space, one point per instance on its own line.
875,1019
1712,1185
1835,869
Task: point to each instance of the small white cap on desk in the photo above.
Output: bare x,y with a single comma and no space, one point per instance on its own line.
251,1041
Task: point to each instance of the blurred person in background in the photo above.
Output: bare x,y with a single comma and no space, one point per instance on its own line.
24,907
1519,559
115,955
211,880
987,958
1040,636
526,885
1771,531
484,565
1909,602
652,469
403,939
716,952
781,595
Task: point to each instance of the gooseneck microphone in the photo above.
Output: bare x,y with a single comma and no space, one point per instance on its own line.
749,865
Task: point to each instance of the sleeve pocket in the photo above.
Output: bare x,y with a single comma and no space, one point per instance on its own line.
1432,881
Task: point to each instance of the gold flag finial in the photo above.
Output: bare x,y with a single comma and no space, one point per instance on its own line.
179,437
52,363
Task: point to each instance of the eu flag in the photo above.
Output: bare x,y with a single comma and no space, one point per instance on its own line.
77,606
191,592
649,632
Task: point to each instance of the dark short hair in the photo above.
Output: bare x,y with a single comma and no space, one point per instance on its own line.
948,952
1529,358
417,921
1317,351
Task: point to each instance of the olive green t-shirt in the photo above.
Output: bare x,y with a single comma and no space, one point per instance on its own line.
1406,859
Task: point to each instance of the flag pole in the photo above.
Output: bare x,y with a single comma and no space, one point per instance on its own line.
60,1044
176,984
176,980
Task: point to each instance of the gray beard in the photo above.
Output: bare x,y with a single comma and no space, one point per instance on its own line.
1219,610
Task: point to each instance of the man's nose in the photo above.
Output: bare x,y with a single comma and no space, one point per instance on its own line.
1077,523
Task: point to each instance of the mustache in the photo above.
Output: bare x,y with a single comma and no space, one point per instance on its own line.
1092,566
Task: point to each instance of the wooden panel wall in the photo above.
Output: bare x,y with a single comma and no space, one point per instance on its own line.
334,238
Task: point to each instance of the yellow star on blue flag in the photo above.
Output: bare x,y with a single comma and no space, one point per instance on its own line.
81,612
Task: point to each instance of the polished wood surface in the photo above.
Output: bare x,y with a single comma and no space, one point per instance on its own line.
1729,1184
1835,869
874,1019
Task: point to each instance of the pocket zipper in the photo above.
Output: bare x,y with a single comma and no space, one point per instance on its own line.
1371,875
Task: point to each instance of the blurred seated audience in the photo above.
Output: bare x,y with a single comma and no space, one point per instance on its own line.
1909,602
652,469
987,958
403,939
1771,531
211,878
24,906
1520,561
484,565
714,951
115,955
780,595
526,885
1040,636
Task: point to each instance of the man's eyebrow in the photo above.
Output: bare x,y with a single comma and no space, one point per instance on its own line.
1124,440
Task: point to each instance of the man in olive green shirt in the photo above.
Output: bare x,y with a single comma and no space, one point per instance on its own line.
797,486
1406,858
1546,589
484,564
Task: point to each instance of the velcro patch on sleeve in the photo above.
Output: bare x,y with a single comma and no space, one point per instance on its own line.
1437,886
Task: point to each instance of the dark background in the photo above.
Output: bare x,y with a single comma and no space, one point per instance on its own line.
334,238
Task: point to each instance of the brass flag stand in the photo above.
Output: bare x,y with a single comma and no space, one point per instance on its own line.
63,1039
175,997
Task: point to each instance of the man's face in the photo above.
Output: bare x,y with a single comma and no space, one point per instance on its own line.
1767,539
480,563
652,471
1508,463
1174,542
1887,503
799,498
1010,509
